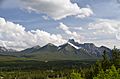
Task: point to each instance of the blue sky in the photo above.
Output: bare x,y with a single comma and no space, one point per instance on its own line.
96,21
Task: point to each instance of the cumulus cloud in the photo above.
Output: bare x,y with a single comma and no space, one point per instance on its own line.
74,35
64,27
15,36
57,9
106,27
85,13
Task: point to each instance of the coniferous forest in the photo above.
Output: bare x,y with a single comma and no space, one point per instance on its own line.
105,68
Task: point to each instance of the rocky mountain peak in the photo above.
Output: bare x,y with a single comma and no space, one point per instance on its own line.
71,40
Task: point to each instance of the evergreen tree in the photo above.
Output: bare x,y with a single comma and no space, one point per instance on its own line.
105,62
116,57
108,74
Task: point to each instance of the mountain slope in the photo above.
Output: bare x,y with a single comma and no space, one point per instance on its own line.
69,51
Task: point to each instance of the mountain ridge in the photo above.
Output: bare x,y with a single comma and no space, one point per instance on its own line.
71,50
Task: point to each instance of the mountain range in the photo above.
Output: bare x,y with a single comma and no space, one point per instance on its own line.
71,50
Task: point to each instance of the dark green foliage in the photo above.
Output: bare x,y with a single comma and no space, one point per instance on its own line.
106,61
116,57
111,73
106,68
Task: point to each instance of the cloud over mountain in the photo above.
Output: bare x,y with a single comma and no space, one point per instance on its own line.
106,32
15,36
73,34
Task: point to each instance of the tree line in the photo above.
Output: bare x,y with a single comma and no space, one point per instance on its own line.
107,68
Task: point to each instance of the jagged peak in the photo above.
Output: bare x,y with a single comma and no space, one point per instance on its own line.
71,40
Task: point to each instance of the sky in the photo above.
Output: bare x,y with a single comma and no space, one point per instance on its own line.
27,23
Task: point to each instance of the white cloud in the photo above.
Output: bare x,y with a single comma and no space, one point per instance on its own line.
85,13
118,34
57,9
105,27
74,35
63,27
15,36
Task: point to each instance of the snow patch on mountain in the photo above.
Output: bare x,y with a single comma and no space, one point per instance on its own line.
76,47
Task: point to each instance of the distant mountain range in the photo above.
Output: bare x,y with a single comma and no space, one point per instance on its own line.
69,51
